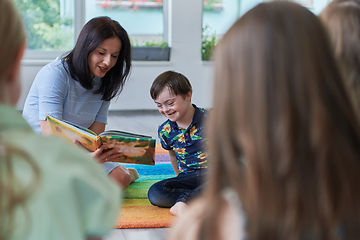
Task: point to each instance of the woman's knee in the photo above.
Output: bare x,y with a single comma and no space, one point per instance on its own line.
121,176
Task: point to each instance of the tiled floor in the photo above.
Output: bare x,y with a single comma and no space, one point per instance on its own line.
143,122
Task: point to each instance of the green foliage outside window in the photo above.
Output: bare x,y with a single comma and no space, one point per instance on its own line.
208,43
46,29
130,4
213,5
152,43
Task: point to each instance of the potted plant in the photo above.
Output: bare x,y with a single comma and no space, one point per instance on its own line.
150,51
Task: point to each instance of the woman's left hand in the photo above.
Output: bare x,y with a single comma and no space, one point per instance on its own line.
104,155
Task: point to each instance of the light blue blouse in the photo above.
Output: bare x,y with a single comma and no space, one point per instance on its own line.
54,92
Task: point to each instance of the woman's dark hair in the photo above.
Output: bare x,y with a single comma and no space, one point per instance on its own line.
91,36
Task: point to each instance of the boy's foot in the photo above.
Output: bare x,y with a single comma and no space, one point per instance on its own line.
134,175
178,209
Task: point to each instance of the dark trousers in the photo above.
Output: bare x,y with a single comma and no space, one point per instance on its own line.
182,188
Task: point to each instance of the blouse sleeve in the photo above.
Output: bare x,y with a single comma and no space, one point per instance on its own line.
52,90
103,112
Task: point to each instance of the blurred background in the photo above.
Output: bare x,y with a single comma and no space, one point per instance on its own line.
166,35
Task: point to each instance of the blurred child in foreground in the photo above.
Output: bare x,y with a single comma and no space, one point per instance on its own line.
285,163
48,188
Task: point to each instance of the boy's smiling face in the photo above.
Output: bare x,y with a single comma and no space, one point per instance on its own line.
174,107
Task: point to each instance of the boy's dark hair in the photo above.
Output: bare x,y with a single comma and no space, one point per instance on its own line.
177,83
92,34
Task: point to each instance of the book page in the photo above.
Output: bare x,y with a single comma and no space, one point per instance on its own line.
71,132
123,134
134,149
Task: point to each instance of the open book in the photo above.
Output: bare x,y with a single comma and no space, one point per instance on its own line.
136,148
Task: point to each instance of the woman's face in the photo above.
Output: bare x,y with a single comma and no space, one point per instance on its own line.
104,57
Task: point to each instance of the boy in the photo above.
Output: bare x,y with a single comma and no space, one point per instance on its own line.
182,136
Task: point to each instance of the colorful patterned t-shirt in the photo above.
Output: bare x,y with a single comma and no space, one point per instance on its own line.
188,144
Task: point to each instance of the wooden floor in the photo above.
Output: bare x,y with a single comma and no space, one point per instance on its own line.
138,234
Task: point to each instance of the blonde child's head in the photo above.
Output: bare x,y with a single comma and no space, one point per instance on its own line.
12,41
14,194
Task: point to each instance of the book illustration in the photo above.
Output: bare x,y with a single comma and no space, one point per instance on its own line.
135,150
135,147
139,149
88,142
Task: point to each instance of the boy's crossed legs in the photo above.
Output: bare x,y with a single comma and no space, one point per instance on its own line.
176,192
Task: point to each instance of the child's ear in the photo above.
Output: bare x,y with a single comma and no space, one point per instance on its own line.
188,96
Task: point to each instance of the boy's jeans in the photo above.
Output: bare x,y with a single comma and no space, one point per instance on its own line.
182,188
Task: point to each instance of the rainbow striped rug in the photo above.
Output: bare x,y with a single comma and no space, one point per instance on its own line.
136,210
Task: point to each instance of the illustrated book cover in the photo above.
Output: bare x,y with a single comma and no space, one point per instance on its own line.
138,149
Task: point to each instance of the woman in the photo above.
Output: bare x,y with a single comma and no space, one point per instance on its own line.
48,188
79,87
284,141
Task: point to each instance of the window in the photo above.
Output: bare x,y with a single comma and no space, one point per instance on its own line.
49,24
305,3
52,26
218,16
142,19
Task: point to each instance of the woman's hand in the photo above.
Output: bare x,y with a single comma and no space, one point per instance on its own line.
104,155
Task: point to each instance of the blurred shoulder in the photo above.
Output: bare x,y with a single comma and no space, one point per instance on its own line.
231,222
190,220
54,154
